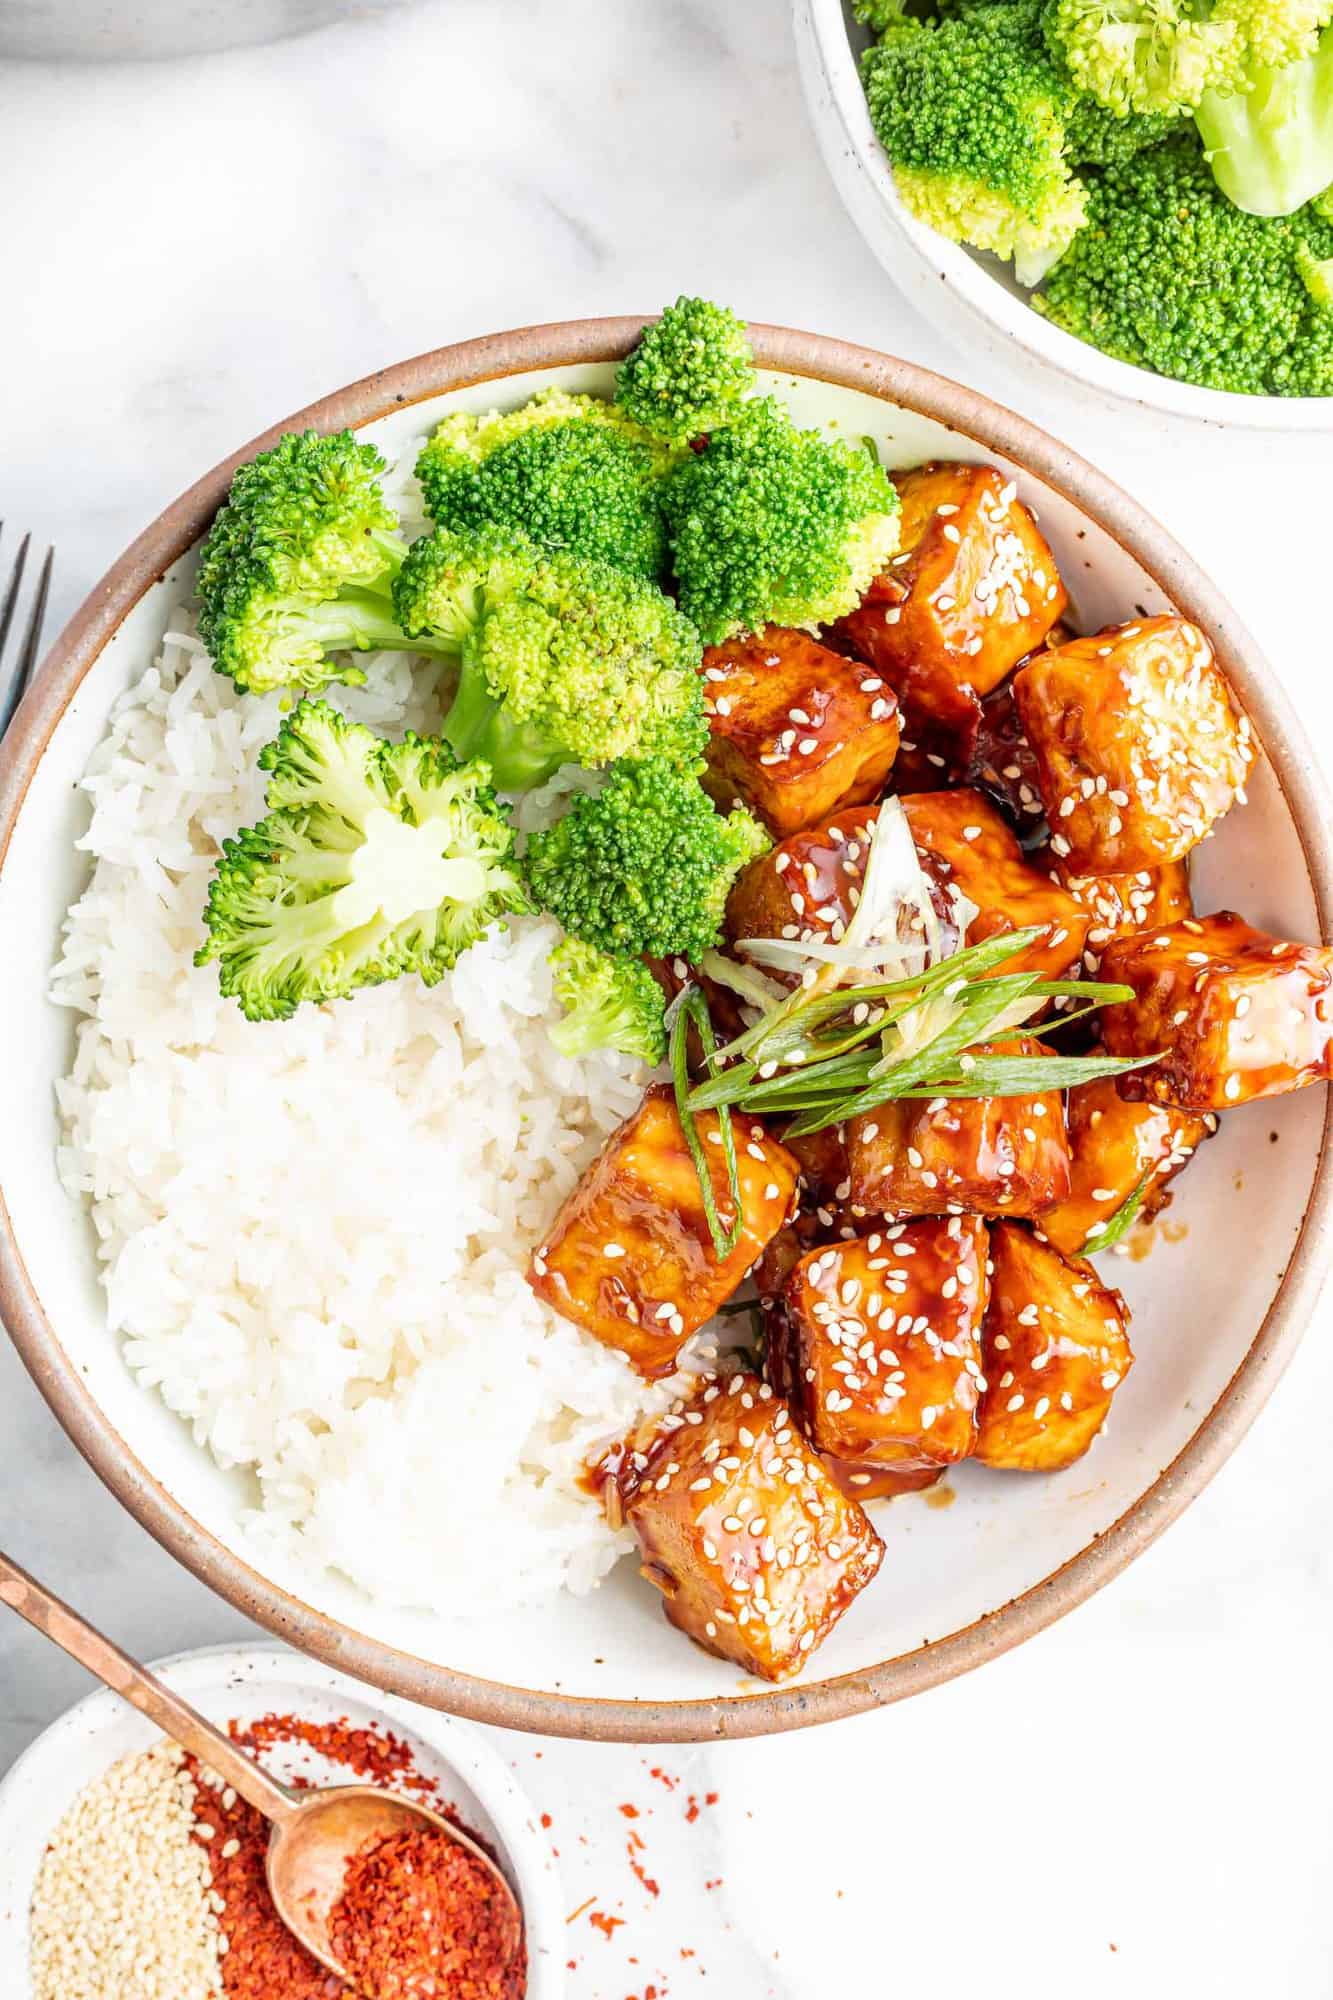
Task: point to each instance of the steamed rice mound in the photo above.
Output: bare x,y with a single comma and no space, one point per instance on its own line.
312,1233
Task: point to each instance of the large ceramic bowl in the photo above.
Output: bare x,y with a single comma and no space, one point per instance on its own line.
1218,1308
972,296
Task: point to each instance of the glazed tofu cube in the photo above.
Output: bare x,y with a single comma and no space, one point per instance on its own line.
1233,1012
1055,1348
882,1348
1113,1144
807,886
1121,904
629,1256
973,589
982,859
981,1155
794,729
756,1551
1140,747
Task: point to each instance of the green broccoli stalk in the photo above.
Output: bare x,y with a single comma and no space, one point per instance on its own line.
776,526
643,867
971,112
610,1003
564,660
569,471
374,859
1170,275
1270,144
689,372
299,564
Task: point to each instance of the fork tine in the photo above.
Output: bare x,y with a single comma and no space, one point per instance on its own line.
30,646
11,595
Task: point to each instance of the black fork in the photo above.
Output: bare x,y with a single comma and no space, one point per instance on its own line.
17,664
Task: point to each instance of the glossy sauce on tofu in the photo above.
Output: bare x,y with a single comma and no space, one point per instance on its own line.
1055,1349
877,1347
1233,1012
630,1258
985,1155
795,731
756,1550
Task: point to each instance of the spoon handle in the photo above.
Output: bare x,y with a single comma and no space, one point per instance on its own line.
22,1593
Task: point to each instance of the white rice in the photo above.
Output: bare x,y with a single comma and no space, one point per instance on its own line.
313,1233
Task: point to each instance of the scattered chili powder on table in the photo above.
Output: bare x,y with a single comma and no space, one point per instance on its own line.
420,1917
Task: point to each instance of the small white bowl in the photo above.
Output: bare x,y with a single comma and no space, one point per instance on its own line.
226,1682
971,295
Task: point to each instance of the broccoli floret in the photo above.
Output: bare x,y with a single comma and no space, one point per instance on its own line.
374,859
774,525
1169,55
1146,56
971,112
1270,145
643,867
610,1003
564,660
1095,137
688,373
570,471
877,15
1169,275
299,563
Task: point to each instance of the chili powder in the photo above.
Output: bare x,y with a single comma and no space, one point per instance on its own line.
420,1918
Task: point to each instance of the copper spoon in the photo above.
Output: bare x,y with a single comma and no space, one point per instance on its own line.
314,1833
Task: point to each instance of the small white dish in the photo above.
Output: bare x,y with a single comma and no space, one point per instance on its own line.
974,297
244,1682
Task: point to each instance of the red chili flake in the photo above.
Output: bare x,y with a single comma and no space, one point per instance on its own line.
664,1777
710,1798
630,1812
419,1915
632,1844
376,1755
263,1958
606,1925
692,1810
546,1822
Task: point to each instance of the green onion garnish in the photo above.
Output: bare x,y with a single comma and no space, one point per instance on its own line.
693,1007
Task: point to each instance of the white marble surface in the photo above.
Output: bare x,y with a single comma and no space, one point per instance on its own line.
1137,1802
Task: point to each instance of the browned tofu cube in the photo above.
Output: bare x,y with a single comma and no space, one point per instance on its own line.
881,1348
981,1155
1140,747
1113,1145
807,886
1055,1349
629,1256
1121,904
982,859
756,1551
972,590
1233,1012
794,729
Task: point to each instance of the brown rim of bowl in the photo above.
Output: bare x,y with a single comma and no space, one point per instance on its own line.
998,430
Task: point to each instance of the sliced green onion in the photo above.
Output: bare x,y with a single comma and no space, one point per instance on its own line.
1025,1076
1118,1225
694,1007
